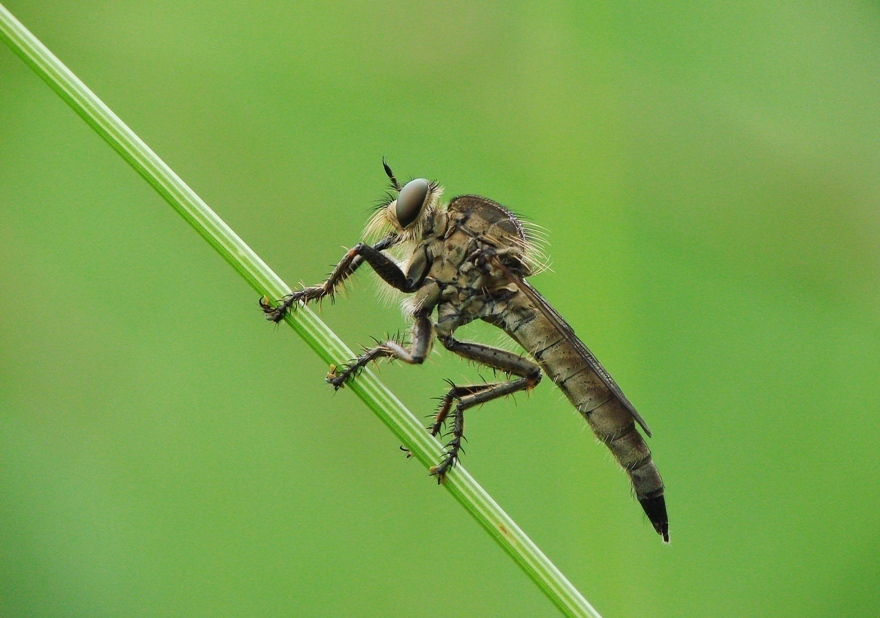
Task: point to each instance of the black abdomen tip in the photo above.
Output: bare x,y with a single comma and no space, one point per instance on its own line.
655,509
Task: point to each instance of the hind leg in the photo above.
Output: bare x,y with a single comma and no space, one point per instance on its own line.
469,396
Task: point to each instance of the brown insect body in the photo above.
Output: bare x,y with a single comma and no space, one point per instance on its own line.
468,261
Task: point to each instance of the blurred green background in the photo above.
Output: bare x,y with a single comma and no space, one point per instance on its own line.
710,180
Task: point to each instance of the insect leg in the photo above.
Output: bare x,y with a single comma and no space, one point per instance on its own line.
482,394
350,262
422,336
456,392
469,396
496,358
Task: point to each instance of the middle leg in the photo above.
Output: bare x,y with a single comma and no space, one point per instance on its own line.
422,336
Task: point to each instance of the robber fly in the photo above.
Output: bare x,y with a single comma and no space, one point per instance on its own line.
468,260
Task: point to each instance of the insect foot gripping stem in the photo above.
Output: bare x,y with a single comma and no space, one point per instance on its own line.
273,314
276,314
655,509
338,376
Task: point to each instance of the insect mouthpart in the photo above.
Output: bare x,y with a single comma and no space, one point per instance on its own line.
411,201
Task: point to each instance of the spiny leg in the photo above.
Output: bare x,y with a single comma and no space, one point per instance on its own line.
456,392
343,270
496,358
469,396
339,375
484,393
422,336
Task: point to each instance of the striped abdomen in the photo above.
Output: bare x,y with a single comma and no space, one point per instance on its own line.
569,364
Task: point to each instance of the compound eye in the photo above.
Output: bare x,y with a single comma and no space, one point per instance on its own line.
411,200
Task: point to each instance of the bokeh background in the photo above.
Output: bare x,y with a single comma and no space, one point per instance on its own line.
710,180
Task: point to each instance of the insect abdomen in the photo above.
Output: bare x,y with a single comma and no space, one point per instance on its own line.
609,419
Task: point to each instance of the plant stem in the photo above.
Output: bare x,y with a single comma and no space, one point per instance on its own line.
316,334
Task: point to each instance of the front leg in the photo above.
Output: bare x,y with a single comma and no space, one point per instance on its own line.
344,269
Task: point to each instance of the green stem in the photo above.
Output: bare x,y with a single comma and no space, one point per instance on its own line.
316,334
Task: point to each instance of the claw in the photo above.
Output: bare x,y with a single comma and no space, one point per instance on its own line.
440,474
440,470
337,376
335,381
275,314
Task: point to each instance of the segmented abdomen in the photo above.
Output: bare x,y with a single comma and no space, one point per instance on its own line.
609,419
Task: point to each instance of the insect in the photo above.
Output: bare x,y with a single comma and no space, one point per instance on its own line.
468,260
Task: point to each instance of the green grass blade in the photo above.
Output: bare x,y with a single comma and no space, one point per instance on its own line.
318,336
